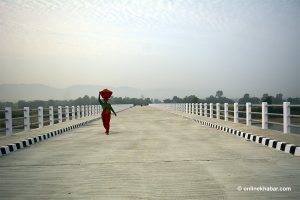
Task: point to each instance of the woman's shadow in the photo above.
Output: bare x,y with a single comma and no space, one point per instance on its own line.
114,132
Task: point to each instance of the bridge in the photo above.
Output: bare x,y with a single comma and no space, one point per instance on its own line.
152,152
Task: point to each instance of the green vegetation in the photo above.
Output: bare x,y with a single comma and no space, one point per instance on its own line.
218,98
86,100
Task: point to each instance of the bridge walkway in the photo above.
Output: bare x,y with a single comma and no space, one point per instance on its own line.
150,154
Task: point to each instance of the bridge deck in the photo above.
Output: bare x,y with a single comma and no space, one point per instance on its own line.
150,154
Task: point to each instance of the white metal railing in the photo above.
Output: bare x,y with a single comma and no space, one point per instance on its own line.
24,119
214,111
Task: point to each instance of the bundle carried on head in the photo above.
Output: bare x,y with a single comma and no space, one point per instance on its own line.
105,94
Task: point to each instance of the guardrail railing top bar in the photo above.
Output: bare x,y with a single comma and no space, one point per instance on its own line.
279,113
38,117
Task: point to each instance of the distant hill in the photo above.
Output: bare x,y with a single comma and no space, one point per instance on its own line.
15,92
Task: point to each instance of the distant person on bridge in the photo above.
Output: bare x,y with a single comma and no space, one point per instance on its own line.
106,108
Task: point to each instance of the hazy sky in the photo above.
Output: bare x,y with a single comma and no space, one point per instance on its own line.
235,45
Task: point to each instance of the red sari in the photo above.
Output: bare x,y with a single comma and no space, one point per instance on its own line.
107,108
105,115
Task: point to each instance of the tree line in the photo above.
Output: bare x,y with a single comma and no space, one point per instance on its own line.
91,100
86,100
219,98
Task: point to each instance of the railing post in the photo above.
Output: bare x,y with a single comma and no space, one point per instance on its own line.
86,110
236,113
26,119
218,110
248,114
59,110
41,117
226,111
93,109
73,112
82,111
205,109
67,113
201,111
286,117
78,112
211,112
186,108
90,110
51,116
264,115
8,121
193,105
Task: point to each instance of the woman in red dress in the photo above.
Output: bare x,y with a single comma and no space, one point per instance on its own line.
106,109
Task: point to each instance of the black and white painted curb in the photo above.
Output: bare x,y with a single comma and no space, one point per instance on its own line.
278,145
4,150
